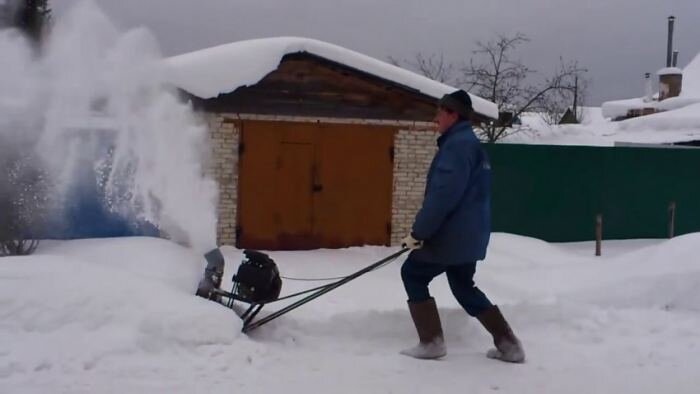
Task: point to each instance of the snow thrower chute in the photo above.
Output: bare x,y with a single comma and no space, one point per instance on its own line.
258,282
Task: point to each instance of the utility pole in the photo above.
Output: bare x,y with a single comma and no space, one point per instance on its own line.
575,109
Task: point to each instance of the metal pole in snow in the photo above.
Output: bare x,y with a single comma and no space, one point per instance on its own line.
598,234
671,219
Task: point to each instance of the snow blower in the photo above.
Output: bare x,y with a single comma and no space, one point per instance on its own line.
258,282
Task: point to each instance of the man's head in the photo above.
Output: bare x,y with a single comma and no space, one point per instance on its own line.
452,108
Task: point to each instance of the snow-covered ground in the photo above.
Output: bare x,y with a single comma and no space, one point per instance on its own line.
118,316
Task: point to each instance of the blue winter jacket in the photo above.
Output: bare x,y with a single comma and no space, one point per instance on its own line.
454,222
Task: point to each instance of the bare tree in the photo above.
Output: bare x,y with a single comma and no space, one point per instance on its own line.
499,77
495,74
31,16
432,66
554,106
23,200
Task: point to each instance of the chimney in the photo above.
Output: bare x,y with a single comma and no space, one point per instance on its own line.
669,45
670,78
648,89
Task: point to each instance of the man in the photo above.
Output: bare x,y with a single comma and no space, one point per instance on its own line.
450,234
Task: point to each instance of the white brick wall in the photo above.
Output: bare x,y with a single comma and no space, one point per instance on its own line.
413,152
224,168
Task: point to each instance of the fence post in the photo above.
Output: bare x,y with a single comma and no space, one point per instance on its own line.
598,233
671,219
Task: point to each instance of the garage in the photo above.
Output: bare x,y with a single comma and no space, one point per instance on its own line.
313,145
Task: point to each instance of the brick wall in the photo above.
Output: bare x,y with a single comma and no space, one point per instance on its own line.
224,168
413,152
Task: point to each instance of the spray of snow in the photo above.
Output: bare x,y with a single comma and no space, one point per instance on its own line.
94,102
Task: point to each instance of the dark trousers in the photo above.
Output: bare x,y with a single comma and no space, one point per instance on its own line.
417,275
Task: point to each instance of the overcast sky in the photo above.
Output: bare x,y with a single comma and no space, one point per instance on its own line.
616,40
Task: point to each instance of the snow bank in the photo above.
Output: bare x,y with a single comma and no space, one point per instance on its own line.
76,303
663,277
118,315
592,116
222,69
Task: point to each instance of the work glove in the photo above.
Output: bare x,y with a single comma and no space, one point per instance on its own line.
411,243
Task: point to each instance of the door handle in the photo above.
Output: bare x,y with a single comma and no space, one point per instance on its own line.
315,186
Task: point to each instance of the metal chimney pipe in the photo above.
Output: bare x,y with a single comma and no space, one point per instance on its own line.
675,58
648,89
669,47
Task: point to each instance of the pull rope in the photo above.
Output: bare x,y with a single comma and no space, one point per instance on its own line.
312,279
340,278
331,278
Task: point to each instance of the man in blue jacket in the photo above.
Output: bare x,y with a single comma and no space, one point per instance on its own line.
450,234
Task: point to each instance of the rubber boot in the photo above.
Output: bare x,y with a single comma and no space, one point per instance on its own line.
431,343
508,347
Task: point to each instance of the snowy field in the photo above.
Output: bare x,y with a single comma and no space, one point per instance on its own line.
118,316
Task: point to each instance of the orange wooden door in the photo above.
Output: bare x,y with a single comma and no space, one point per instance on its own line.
294,204
257,166
308,185
356,171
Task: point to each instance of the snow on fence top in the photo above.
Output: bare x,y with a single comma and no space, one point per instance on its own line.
222,69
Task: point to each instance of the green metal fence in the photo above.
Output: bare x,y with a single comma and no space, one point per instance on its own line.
555,192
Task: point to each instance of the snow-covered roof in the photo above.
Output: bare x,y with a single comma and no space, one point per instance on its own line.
222,69
669,71
670,127
690,93
618,108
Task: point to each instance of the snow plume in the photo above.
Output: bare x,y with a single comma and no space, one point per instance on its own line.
93,105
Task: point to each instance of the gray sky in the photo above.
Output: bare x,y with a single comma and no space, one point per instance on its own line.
616,40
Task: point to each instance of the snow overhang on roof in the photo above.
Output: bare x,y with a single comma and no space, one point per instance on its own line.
669,71
210,72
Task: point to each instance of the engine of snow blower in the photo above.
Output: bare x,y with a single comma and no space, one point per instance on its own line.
257,281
